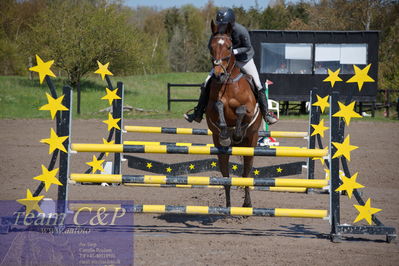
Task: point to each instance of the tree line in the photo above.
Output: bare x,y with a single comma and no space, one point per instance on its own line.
146,40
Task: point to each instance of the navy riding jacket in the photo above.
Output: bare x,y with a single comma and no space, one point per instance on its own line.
241,42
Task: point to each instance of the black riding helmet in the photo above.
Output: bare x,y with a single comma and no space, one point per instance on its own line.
224,16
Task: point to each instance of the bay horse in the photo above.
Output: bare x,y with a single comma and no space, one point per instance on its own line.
232,113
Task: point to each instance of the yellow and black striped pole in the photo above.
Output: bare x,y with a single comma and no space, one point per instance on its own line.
199,131
199,180
165,149
231,211
165,143
260,188
129,142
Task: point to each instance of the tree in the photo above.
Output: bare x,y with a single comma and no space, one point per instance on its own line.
15,18
275,17
78,33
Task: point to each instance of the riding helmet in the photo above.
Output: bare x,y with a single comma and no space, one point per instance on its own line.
225,15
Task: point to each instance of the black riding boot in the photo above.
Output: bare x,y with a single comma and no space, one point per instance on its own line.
264,107
200,108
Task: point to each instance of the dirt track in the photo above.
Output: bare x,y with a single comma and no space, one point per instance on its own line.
194,240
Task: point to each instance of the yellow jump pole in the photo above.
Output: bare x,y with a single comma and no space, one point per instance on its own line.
164,149
199,180
198,131
231,211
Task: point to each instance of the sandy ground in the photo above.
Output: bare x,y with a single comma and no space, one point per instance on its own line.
199,240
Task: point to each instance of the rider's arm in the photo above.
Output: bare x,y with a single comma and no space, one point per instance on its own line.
245,43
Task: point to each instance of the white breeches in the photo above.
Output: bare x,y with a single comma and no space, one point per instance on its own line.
247,68
250,69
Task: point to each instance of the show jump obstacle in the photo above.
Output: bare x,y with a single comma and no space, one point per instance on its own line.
339,151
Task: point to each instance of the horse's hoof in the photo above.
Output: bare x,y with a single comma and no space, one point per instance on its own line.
237,139
247,205
225,142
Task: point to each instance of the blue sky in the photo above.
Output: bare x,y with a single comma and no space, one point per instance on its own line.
199,3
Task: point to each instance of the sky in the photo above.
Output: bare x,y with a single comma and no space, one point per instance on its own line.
199,3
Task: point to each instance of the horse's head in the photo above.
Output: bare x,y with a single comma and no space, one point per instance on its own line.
221,48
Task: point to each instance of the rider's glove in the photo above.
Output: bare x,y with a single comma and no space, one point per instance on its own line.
235,51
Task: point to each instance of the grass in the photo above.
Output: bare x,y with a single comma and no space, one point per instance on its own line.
21,97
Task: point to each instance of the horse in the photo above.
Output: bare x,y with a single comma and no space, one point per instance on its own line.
232,113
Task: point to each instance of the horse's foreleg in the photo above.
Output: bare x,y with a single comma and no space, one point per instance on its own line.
224,169
240,112
248,162
224,139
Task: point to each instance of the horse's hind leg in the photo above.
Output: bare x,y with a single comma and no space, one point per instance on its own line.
224,139
248,162
224,169
240,112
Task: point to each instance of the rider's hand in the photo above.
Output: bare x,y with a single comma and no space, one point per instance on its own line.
235,51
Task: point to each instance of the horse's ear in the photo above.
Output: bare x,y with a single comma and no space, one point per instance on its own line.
214,28
229,29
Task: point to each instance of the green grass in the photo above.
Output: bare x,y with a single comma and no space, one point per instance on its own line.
21,97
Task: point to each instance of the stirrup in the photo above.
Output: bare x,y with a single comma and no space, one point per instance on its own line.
270,118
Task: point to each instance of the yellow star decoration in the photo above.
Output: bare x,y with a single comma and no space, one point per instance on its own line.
347,112
322,103
31,203
43,68
365,212
279,170
55,142
103,70
48,177
256,172
234,167
149,165
333,77
106,142
168,169
321,158
111,96
192,167
112,122
213,164
349,184
319,129
327,176
96,165
344,148
54,105
361,76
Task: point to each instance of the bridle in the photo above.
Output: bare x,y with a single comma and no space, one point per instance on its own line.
218,62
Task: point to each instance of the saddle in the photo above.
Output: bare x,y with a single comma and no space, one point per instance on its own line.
250,80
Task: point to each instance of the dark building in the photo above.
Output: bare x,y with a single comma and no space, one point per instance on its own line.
297,61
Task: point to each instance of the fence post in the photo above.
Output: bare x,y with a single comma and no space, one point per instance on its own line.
117,112
168,96
397,106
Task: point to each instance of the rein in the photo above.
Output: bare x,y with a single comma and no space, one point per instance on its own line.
218,62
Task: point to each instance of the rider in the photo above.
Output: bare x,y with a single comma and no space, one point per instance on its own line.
244,53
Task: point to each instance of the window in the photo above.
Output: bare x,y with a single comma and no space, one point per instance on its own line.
343,56
286,58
